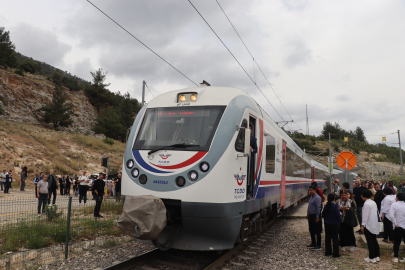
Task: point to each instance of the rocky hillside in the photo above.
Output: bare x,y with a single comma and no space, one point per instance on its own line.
42,149
368,167
24,96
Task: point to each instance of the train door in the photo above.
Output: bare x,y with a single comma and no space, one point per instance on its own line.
283,173
251,160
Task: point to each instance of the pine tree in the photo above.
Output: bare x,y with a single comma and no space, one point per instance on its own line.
7,54
58,112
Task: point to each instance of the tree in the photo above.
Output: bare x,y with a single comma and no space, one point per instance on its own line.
359,135
58,112
7,54
97,92
109,123
31,66
332,129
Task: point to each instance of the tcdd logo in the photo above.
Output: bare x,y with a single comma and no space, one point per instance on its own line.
165,156
239,178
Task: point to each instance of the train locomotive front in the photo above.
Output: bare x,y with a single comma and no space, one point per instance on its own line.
190,148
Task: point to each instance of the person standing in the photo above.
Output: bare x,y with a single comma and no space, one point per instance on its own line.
83,182
109,188
52,187
3,179
36,180
68,183
389,199
61,185
336,188
359,201
391,186
369,226
98,187
42,194
346,233
117,182
22,186
397,216
313,216
7,183
331,217
383,184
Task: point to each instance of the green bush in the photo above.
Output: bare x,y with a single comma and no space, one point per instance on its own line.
52,212
19,72
336,147
108,141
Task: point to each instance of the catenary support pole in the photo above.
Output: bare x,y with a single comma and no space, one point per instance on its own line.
68,228
330,168
143,92
400,155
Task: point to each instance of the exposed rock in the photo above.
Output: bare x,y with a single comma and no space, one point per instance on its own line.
25,96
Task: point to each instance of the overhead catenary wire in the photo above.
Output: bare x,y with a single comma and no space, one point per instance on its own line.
142,43
254,60
149,90
235,59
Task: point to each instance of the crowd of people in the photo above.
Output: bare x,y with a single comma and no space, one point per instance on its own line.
379,208
47,186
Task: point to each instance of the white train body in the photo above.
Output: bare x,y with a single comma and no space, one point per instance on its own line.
211,209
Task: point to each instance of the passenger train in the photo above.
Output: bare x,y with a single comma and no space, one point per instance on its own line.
191,149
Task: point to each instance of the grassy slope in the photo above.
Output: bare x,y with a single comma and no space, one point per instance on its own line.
42,149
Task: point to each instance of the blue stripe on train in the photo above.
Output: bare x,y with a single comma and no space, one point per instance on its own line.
290,190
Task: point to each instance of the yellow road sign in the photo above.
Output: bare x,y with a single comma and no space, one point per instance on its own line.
346,139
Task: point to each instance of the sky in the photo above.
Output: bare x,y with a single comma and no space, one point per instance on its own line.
344,59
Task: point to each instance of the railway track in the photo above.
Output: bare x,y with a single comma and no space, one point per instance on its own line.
183,259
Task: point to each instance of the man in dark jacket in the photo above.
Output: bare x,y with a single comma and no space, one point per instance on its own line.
359,201
52,187
99,191
62,184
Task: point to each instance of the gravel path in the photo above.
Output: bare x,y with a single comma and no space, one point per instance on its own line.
103,257
283,246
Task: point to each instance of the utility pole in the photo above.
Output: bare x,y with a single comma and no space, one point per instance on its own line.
330,168
306,109
400,155
143,93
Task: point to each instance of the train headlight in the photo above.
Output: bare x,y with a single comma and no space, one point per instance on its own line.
193,175
135,173
143,179
193,97
130,163
204,166
180,181
182,98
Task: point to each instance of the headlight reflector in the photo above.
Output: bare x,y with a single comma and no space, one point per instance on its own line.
193,175
135,172
130,163
204,166
180,181
182,98
143,179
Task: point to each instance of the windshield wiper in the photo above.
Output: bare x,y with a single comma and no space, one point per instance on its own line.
180,145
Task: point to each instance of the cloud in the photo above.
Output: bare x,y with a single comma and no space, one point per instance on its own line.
299,53
342,98
39,44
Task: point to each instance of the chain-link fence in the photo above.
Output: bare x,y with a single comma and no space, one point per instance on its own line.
29,239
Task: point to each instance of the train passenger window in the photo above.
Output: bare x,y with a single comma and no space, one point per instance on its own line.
290,162
240,139
270,154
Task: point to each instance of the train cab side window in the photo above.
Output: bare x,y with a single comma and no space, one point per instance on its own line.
270,153
240,139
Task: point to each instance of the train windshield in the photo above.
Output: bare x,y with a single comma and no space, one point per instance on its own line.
177,125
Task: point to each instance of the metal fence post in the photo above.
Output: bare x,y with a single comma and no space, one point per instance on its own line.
68,228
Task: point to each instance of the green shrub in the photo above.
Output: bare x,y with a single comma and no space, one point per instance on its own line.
108,141
52,212
336,147
19,72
